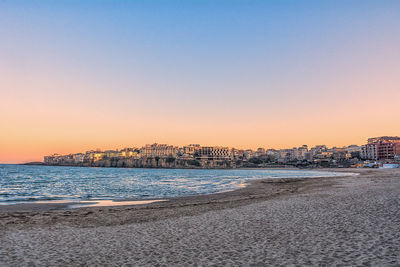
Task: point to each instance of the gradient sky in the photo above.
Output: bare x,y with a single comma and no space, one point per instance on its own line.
80,75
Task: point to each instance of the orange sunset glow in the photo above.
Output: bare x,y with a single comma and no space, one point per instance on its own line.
71,83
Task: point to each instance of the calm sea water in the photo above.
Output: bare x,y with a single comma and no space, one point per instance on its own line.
19,183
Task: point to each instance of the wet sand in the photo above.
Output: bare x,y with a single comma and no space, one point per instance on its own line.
351,220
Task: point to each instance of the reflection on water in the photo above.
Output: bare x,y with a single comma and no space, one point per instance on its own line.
19,183
112,203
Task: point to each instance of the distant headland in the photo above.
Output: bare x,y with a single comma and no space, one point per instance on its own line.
377,151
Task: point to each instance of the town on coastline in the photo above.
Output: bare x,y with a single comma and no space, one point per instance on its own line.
377,152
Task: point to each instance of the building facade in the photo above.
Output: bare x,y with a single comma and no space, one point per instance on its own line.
381,148
215,152
158,150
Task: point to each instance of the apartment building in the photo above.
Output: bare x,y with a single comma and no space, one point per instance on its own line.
191,149
381,148
215,152
388,150
159,150
369,151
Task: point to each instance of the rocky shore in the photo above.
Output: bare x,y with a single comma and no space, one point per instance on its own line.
352,220
150,162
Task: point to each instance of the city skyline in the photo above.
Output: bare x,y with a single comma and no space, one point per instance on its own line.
27,158
79,75
230,147
266,148
379,150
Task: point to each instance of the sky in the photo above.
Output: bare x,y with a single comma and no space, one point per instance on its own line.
80,75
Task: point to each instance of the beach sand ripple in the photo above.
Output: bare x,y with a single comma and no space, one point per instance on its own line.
355,221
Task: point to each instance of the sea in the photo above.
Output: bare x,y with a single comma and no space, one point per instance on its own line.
29,184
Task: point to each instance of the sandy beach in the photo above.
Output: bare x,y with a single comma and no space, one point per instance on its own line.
351,220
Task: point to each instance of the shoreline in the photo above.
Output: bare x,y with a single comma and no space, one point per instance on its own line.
74,204
53,214
270,167
283,167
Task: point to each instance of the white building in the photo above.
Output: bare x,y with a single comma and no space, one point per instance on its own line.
369,151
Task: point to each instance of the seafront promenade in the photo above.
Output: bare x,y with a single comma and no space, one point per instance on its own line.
351,220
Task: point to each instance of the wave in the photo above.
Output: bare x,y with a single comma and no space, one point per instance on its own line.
89,184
